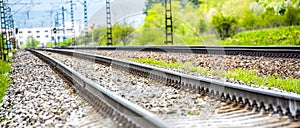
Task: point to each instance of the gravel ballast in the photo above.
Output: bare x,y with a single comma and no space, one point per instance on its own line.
268,66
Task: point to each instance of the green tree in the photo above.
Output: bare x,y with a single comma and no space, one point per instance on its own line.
98,34
31,42
150,3
292,16
122,34
271,19
251,21
225,25
155,17
150,37
66,42
49,45
195,2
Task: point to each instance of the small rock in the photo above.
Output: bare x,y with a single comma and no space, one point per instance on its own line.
133,82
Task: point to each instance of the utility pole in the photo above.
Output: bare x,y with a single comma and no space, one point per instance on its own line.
85,21
63,22
3,30
108,24
56,40
169,22
72,20
56,20
9,29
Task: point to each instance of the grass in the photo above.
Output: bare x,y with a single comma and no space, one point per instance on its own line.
158,63
267,37
4,78
249,77
281,36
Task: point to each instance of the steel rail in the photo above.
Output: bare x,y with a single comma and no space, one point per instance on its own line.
123,111
268,100
272,51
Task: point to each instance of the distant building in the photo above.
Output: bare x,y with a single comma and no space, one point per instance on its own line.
45,34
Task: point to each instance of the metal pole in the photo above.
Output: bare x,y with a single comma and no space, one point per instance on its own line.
85,21
8,28
169,22
108,24
63,22
72,20
3,30
57,29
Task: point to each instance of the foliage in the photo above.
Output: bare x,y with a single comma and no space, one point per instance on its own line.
271,19
49,45
98,33
31,42
121,35
154,17
159,63
185,66
195,2
267,37
4,78
4,67
149,37
93,37
225,25
84,39
150,3
66,42
250,77
292,16
251,21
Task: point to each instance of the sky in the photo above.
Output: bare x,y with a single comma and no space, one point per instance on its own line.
37,13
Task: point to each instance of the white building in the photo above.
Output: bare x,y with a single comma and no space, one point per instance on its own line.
45,34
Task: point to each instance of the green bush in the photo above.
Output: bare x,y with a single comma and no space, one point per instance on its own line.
271,19
225,25
292,16
67,42
251,21
275,36
150,37
49,45
121,35
4,78
31,42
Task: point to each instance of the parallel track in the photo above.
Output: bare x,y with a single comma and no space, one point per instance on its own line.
267,100
285,52
124,113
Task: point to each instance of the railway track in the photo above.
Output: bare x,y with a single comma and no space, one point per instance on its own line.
285,52
244,98
124,113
